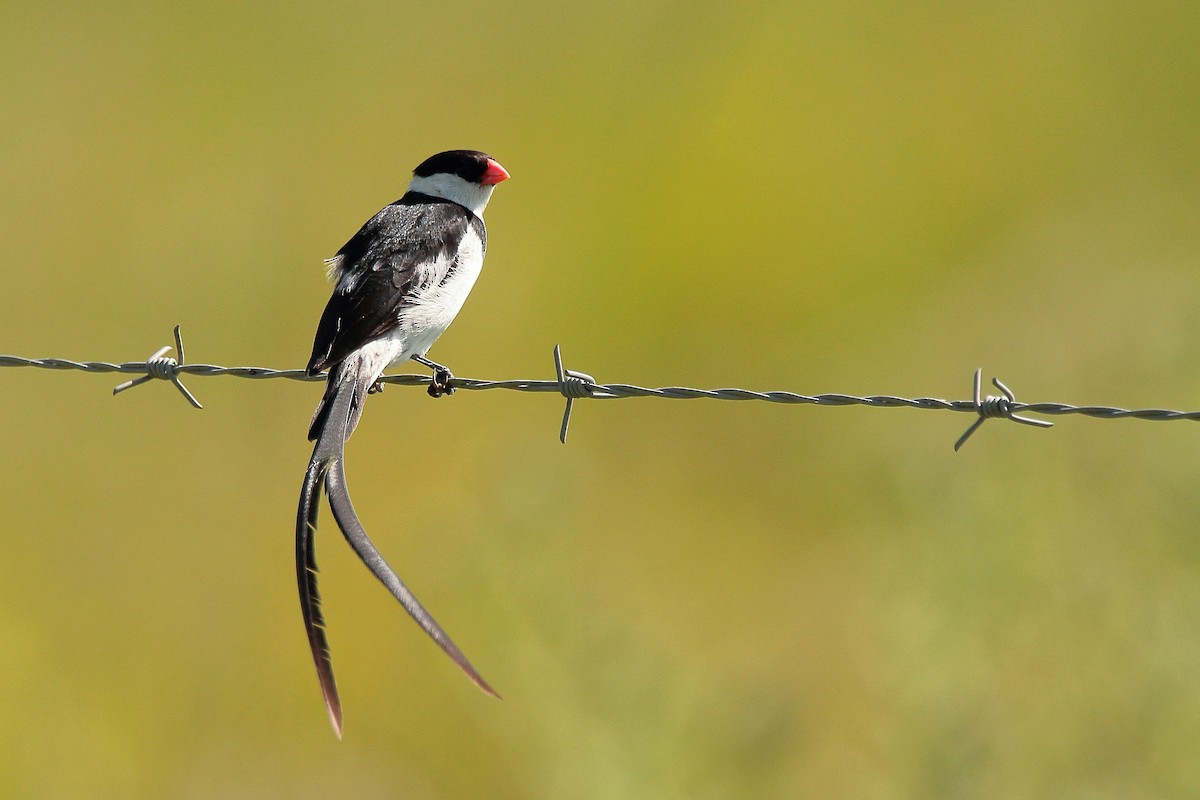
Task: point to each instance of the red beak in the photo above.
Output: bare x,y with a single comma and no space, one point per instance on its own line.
495,174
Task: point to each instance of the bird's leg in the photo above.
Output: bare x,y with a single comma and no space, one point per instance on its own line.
441,377
376,387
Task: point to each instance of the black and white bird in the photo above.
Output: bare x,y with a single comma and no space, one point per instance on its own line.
399,282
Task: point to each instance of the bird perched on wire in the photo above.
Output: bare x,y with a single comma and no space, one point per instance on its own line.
398,284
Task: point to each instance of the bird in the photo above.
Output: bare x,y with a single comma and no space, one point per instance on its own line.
398,284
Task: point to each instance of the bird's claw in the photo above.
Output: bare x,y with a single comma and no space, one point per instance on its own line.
440,384
376,387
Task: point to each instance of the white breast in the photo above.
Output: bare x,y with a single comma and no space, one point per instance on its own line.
431,313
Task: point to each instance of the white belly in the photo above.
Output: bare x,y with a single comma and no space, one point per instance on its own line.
423,322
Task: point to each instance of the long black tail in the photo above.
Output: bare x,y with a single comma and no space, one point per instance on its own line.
329,428
352,529
335,418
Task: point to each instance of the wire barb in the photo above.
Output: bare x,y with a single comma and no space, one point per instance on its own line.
571,385
163,367
995,407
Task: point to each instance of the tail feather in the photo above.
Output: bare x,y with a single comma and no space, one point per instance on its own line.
356,535
341,378
329,428
310,596
334,420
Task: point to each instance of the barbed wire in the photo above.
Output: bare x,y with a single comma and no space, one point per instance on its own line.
574,385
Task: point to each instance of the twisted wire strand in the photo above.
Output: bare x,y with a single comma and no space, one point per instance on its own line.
612,391
573,385
149,368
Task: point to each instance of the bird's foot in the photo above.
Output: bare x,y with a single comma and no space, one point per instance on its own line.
442,376
376,387
440,384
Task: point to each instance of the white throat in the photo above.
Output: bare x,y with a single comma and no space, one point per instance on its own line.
455,189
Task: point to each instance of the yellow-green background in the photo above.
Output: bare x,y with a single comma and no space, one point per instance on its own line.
690,600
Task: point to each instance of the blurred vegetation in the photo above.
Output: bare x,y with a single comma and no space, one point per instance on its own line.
695,600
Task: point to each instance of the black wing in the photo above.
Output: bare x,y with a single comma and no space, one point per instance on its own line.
408,246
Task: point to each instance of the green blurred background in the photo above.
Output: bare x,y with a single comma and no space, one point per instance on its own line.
690,600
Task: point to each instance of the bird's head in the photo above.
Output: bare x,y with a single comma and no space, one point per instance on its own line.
466,177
